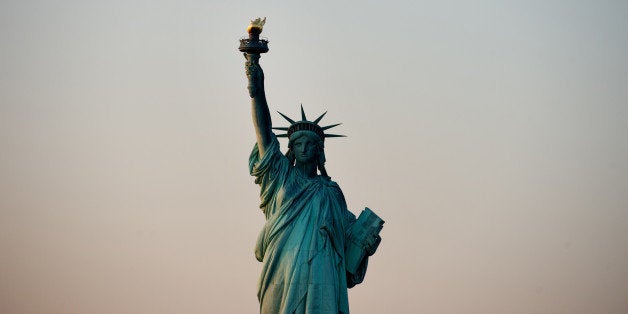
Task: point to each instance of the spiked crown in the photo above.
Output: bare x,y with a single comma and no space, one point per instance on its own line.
305,125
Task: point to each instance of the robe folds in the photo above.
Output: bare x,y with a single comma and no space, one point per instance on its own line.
302,242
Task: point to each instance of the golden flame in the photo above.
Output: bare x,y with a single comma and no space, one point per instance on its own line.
256,25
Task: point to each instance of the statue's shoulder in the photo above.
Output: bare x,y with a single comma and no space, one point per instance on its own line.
329,182
333,189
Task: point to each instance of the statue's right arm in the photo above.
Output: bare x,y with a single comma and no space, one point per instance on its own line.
259,107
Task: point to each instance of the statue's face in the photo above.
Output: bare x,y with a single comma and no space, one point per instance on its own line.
305,149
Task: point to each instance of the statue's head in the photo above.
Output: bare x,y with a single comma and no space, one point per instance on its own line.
306,140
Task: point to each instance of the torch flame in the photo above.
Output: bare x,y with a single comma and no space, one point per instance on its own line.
256,25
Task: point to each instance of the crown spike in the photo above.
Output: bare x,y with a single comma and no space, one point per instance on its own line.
319,118
303,118
285,117
330,126
305,125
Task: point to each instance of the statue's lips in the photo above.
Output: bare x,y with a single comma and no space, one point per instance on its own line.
303,156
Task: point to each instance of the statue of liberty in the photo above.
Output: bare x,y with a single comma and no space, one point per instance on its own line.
311,246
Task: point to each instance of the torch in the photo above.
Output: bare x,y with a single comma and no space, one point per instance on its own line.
254,44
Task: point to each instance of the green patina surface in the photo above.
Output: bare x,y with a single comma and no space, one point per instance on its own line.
309,238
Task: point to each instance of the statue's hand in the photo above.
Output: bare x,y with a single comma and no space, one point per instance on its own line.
253,69
373,244
255,73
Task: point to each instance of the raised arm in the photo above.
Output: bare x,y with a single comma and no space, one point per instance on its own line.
259,107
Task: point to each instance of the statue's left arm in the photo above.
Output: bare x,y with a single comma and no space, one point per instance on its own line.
357,253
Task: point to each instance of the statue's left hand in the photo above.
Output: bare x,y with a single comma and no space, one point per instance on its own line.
373,244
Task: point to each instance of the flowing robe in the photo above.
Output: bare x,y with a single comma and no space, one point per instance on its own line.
303,240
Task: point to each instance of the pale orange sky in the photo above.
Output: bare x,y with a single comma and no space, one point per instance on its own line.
490,136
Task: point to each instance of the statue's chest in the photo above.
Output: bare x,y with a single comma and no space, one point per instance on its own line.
296,188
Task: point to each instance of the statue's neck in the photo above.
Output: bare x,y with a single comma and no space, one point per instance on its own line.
306,169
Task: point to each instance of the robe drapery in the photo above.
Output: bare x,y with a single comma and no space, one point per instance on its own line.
303,240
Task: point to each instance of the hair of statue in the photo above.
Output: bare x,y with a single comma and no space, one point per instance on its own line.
320,152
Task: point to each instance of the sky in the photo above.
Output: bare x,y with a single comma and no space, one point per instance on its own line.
490,136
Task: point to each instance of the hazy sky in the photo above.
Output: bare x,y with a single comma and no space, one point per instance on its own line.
492,136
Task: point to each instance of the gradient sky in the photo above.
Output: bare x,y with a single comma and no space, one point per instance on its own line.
491,136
